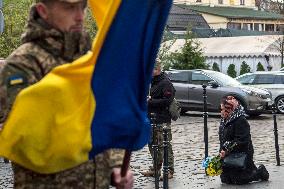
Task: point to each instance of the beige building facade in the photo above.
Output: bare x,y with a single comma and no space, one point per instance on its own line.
234,3
234,14
217,22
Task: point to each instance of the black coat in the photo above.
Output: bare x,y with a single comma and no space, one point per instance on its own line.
162,94
238,131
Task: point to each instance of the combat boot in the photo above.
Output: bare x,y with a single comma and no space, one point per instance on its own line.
170,175
263,173
150,172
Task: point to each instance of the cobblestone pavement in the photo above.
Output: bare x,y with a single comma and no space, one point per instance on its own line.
6,175
188,146
188,149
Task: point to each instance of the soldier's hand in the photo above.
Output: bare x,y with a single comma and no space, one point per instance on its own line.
122,182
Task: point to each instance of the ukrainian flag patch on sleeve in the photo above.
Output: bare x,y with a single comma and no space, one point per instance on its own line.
16,80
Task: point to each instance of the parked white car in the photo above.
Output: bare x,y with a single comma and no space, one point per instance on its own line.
272,81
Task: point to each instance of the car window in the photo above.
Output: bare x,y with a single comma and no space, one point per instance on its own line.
199,78
247,79
279,79
179,77
265,79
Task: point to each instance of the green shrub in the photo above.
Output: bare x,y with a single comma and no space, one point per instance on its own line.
244,68
259,67
231,71
15,15
215,67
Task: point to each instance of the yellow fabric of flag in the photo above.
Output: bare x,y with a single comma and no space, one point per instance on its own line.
32,137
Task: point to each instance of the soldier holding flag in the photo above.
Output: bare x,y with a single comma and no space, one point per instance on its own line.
54,36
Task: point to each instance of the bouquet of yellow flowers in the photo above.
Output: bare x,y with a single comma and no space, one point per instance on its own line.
212,165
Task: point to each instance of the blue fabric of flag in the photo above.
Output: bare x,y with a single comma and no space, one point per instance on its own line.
122,75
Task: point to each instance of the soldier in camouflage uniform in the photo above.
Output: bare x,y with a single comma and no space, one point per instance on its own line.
162,94
54,36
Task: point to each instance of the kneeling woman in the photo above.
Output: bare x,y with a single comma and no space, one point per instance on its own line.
234,136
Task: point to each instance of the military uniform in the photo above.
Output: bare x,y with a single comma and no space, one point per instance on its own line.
42,49
158,132
162,94
104,163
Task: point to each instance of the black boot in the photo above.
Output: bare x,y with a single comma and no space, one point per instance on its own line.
263,173
245,179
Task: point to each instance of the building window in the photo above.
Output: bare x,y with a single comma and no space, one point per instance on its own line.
280,27
220,1
247,26
232,25
258,27
242,2
198,1
269,27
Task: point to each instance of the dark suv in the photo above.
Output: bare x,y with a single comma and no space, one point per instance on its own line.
189,91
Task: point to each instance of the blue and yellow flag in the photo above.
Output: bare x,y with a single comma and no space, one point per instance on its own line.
98,101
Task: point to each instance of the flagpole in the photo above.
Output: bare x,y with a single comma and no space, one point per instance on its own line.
125,164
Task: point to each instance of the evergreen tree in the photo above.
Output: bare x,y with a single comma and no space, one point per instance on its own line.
244,68
168,40
231,71
215,67
190,56
259,67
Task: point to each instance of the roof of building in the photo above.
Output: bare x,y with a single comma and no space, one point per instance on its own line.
235,12
181,18
244,46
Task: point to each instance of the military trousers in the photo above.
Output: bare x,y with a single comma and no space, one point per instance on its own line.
157,132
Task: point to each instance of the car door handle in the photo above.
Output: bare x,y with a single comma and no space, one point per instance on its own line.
191,87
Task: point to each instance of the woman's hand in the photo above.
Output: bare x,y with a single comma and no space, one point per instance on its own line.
222,154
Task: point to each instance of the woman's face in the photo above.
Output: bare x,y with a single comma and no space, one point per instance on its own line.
224,113
228,106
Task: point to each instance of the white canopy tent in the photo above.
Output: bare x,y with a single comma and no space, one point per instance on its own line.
235,50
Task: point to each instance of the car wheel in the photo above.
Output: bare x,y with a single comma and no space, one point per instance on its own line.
279,102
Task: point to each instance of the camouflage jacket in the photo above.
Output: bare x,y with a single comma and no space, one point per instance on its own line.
42,49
